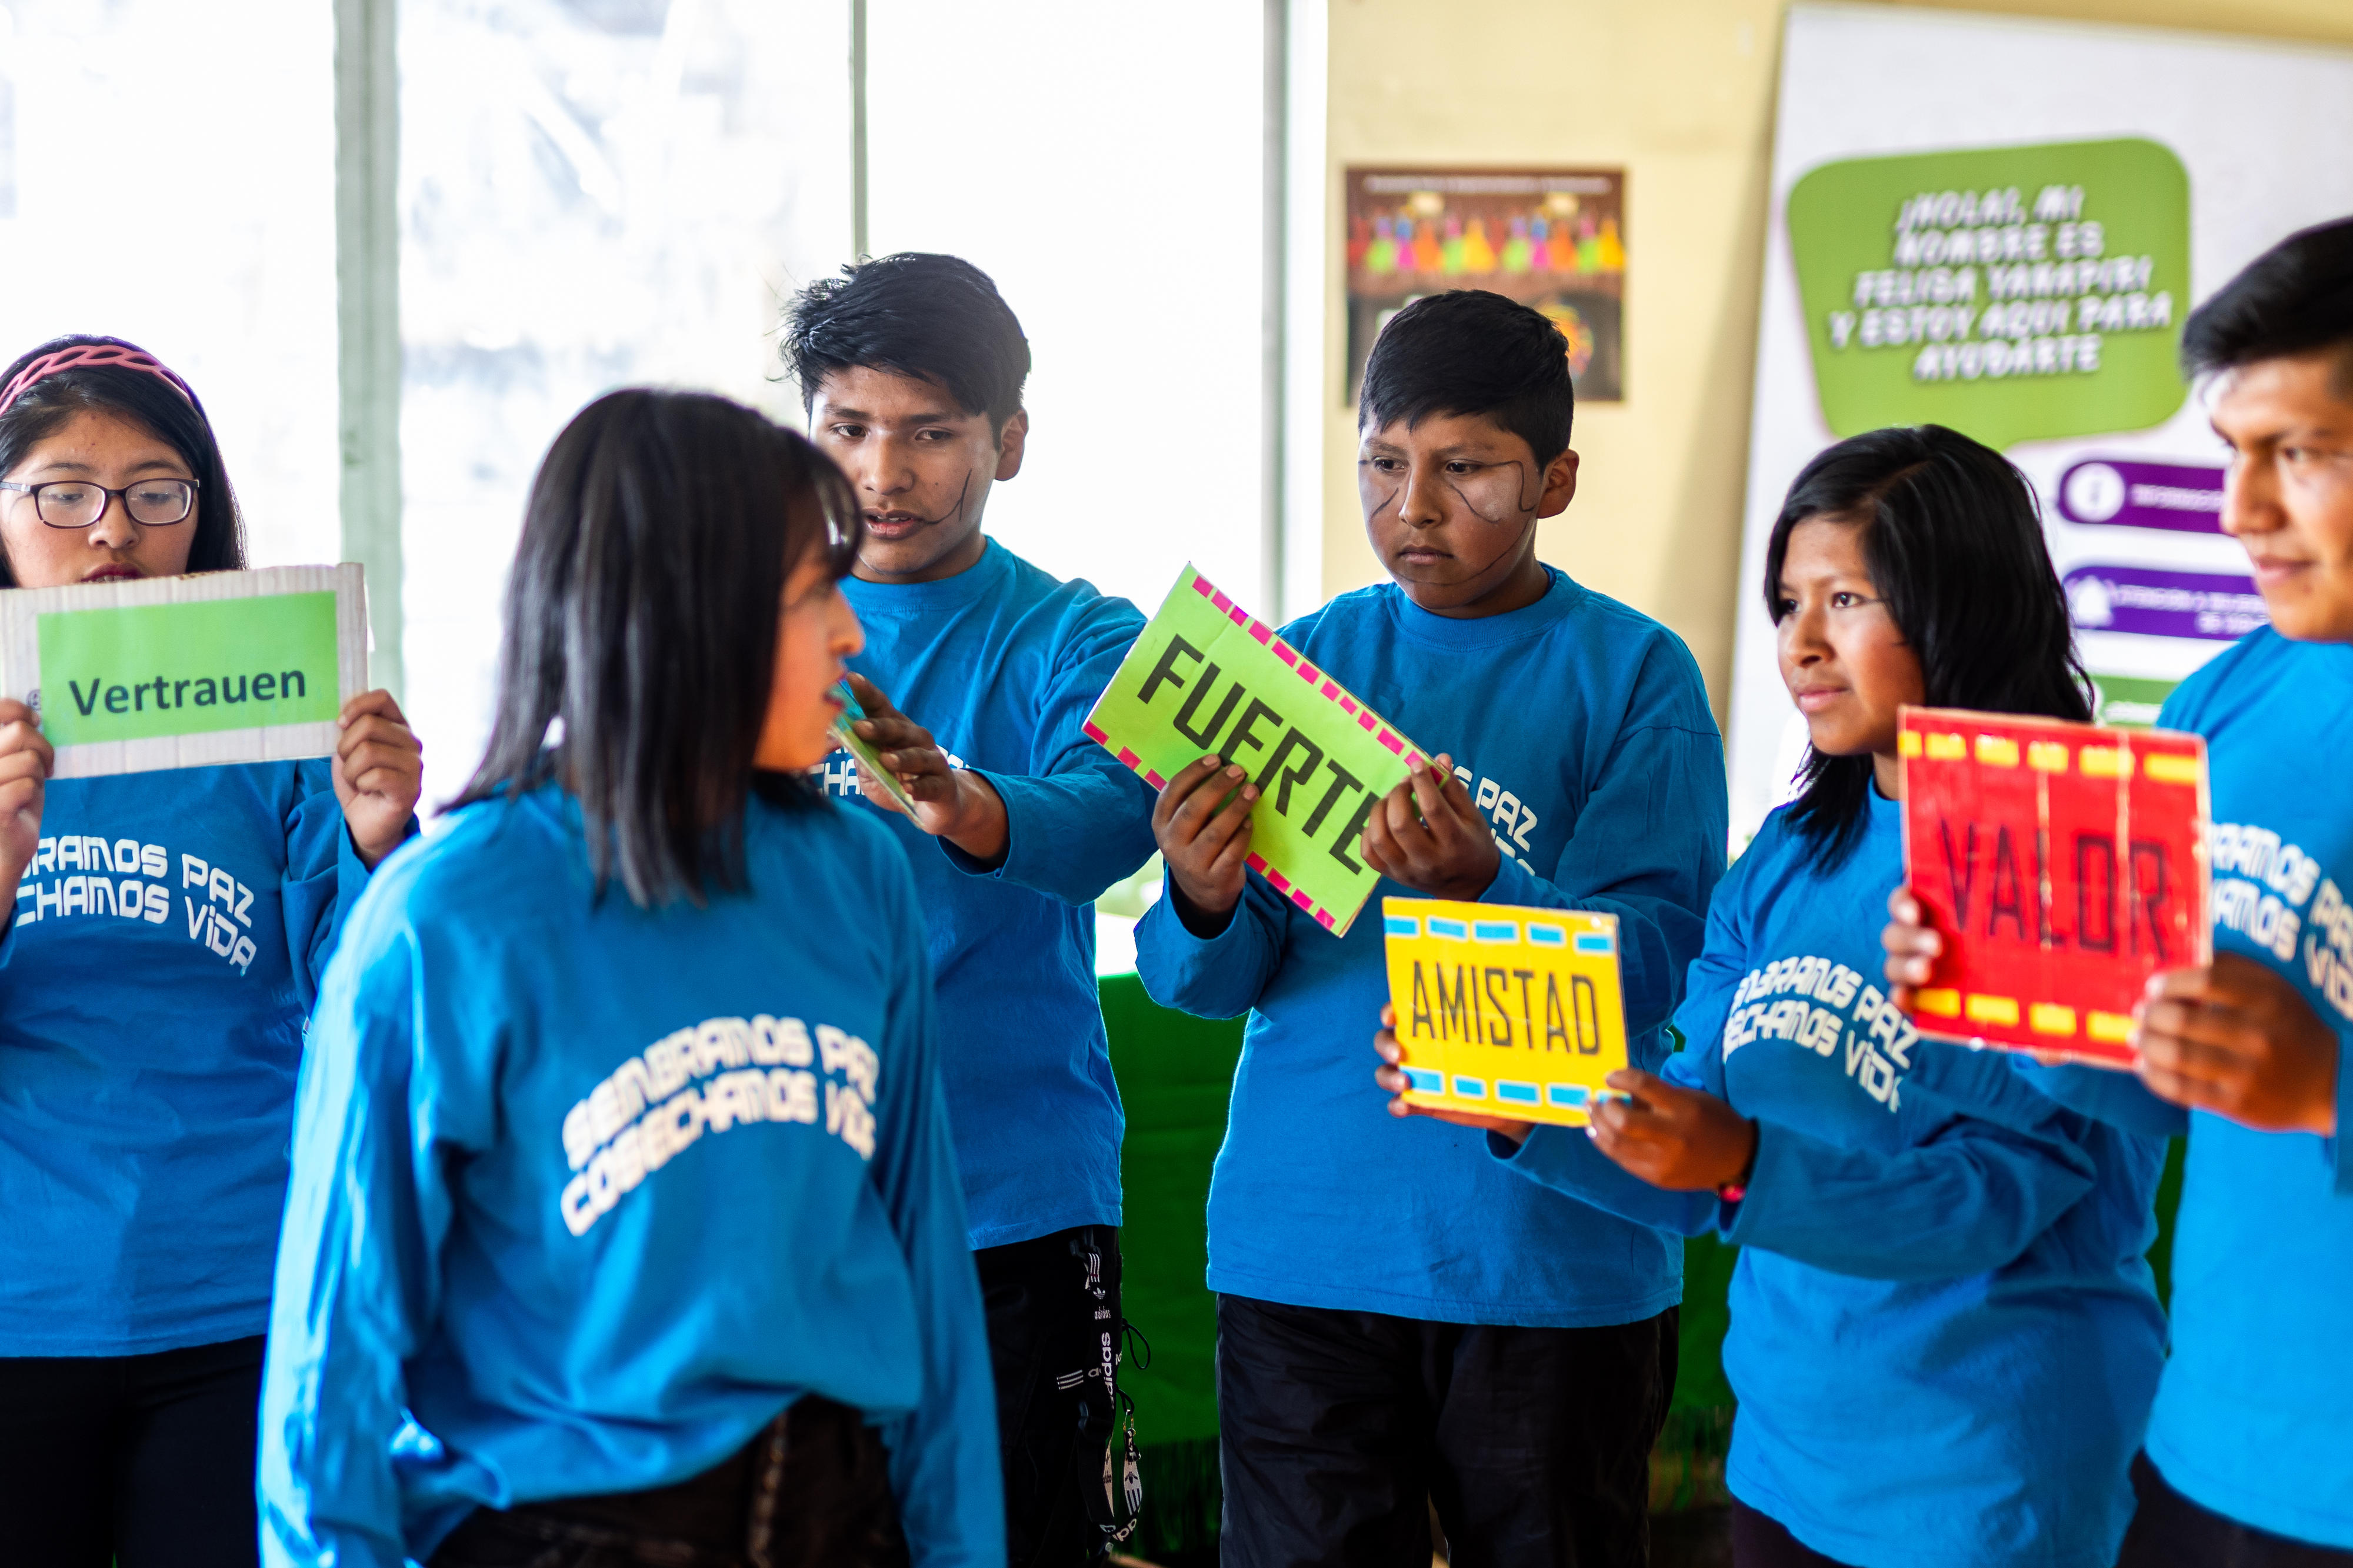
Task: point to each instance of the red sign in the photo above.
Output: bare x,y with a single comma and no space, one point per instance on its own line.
2063,863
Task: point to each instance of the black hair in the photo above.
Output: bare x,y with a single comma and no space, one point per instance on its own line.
1952,539
641,612
936,318
1470,352
2294,298
137,397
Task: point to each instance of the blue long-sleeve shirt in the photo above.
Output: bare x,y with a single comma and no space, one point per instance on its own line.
2250,1417
165,944
1002,663
584,1194
1582,732
1944,1336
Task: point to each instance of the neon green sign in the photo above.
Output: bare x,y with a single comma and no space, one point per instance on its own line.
1208,676
2015,294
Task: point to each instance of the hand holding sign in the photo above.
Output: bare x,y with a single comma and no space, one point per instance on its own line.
1680,1139
2233,1038
1684,1139
1426,834
1392,1078
25,759
1913,948
951,803
1205,842
194,671
379,770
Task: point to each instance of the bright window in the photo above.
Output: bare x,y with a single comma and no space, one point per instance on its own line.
167,175
593,194
1103,165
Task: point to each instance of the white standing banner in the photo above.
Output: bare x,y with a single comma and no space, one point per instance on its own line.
1999,225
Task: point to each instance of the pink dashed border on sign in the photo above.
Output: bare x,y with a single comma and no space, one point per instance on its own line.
1331,690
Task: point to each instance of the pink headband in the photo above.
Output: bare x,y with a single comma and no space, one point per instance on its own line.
84,355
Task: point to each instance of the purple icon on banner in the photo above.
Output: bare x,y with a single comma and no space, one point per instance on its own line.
2223,607
2116,492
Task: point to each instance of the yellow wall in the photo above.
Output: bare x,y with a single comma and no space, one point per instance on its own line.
1681,94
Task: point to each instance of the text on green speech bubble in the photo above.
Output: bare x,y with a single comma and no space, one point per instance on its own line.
2014,294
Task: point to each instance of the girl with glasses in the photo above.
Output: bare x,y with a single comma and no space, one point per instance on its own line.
624,1223
165,935
1945,1338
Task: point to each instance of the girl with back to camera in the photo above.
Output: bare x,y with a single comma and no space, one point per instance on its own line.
625,1225
1945,1338
147,1075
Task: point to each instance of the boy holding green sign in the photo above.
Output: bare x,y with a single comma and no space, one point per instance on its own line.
1397,1318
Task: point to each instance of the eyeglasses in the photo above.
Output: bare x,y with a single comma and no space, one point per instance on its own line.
77,503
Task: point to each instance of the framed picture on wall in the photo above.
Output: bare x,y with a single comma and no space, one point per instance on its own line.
1553,239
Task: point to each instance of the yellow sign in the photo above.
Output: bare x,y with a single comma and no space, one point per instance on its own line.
1503,1010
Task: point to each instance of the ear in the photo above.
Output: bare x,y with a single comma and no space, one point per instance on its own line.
1012,442
1560,485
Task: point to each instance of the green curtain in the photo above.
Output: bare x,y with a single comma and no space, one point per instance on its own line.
1175,1073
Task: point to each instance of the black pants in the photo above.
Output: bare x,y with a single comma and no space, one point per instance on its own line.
1760,1541
1053,1342
1338,1430
139,1459
2168,1531
812,1490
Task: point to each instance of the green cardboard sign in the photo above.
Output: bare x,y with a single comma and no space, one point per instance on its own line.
151,670
1208,676
2015,293
135,675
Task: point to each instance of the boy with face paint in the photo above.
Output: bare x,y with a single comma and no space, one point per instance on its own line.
978,672
1399,1319
2244,1460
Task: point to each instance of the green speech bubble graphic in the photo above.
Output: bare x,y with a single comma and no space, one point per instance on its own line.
2014,293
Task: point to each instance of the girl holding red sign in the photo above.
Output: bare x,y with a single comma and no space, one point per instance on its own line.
1944,1336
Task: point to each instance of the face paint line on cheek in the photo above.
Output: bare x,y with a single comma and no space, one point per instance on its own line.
954,525
1484,496
956,511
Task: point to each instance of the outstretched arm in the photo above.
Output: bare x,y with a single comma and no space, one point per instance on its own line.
1966,1204
1071,823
